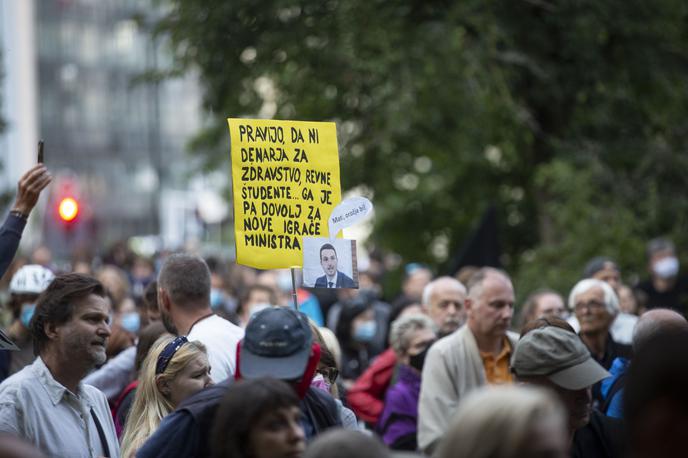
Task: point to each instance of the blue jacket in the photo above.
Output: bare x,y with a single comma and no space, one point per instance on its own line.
612,388
10,234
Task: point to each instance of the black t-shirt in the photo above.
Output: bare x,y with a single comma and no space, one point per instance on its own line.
602,437
676,298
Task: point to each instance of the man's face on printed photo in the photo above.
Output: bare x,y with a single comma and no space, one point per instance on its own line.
328,261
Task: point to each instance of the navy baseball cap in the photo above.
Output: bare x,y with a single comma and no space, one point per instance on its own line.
277,343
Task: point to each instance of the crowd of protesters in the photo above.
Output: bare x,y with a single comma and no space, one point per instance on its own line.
184,356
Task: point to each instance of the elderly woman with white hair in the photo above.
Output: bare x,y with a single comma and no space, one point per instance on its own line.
411,336
595,305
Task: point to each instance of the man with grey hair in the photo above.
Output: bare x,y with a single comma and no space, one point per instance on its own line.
184,301
411,337
650,325
478,353
595,305
443,301
665,288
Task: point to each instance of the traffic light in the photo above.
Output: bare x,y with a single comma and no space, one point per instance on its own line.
69,223
68,209
66,202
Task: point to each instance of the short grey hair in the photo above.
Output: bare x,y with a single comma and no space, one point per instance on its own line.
430,288
611,302
402,328
475,284
186,279
659,244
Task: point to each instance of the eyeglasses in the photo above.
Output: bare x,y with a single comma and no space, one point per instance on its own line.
168,352
593,306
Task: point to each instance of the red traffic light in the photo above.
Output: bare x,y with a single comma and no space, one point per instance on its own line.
68,209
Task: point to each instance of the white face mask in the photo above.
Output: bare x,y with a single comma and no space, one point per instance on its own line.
257,308
666,267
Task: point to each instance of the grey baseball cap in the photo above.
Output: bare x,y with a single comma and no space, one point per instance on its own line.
277,344
560,356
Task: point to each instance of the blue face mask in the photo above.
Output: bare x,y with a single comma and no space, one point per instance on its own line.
216,298
365,332
131,322
26,314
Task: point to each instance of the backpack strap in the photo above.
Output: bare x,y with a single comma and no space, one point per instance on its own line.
101,434
617,385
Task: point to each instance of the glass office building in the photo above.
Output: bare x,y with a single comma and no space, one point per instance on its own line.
119,138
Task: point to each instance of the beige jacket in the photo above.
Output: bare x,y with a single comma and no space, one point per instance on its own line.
452,368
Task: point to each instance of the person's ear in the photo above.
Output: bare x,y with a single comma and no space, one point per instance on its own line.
163,385
468,305
164,302
50,330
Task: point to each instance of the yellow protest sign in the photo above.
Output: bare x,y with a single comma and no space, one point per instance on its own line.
285,181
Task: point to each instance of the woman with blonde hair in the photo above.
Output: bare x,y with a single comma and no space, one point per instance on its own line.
174,369
507,422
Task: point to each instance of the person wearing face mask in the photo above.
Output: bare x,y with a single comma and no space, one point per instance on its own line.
665,288
356,330
222,299
411,337
25,287
255,299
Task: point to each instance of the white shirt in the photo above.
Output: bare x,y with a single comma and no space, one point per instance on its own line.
220,337
332,280
36,407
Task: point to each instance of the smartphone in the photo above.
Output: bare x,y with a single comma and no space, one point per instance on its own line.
40,151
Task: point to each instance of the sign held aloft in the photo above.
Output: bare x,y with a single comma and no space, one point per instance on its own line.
285,182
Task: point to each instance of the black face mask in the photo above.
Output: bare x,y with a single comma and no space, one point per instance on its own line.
417,361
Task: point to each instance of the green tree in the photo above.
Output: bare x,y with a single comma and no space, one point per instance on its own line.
569,115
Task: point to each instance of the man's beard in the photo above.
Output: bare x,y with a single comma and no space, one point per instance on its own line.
168,323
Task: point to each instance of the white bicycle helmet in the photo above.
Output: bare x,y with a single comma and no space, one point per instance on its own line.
31,279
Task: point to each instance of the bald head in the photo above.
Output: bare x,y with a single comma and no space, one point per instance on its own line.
484,275
655,322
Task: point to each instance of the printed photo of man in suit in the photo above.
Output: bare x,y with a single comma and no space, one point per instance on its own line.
333,278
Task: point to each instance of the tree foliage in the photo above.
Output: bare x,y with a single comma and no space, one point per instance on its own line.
569,115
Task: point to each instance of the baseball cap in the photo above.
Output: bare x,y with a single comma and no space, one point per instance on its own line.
560,356
277,343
